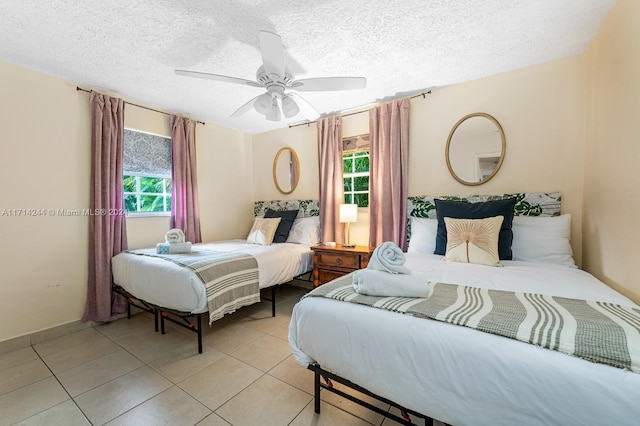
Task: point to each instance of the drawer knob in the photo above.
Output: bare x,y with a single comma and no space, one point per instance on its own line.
338,261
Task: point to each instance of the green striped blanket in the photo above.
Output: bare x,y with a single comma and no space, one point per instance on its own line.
599,332
231,279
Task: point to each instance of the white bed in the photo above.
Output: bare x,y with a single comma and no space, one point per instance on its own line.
173,288
169,285
463,376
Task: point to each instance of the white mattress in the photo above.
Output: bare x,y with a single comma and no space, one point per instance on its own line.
169,285
463,376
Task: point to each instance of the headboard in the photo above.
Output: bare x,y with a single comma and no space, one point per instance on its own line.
306,208
527,204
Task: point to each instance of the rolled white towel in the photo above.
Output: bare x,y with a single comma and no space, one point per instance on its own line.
173,248
378,283
388,257
174,235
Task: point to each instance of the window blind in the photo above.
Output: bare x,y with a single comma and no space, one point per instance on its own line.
146,154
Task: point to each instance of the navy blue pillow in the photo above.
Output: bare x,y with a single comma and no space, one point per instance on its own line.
286,222
465,210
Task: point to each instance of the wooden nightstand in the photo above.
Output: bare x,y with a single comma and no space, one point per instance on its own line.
330,263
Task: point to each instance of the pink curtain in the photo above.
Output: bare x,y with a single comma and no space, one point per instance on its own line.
185,211
107,231
331,181
389,152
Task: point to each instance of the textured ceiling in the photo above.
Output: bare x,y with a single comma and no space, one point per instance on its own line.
131,48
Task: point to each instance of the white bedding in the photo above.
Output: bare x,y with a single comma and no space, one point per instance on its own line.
463,376
169,285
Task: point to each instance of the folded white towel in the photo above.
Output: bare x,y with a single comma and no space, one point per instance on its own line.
174,235
378,283
388,257
173,248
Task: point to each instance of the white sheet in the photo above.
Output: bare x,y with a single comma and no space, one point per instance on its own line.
169,285
463,376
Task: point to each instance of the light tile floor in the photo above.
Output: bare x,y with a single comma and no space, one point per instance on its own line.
124,373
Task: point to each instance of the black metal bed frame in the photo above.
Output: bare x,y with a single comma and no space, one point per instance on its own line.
328,376
165,314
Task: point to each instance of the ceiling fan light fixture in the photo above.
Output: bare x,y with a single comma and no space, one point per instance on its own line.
274,76
263,104
274,114
289,107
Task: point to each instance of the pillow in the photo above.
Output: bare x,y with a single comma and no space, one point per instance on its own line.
286,221
423,235
263,230
464,210
543,239
473,240
305,230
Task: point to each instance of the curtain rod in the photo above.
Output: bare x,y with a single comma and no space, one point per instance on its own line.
139,106
423,94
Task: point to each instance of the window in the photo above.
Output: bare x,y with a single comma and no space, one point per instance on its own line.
147,194
355,170
146,173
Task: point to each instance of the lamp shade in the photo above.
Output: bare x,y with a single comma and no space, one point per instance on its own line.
348,213
289,106
263,104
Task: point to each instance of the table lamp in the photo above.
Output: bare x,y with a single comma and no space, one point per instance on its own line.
348,214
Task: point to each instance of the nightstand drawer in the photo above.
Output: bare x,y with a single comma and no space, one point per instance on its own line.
331,262
342,260
324,276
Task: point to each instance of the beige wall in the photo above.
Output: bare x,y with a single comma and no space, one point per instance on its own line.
45,164
541,109
570,126
612,164
303,140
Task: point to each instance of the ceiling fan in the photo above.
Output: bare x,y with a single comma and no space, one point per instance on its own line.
277,79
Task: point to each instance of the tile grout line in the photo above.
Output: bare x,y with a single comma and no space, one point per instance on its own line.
63,388
147,364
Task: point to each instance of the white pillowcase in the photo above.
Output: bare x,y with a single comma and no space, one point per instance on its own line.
263,230
543,239
423,235
305,230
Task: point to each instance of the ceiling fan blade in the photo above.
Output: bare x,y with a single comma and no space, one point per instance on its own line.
272,53
329,84
244,108
217,77
306,109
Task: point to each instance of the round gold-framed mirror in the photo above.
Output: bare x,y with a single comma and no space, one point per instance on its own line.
475,149
286,170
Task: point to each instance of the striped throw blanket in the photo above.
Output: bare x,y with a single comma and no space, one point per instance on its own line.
231,279
599,332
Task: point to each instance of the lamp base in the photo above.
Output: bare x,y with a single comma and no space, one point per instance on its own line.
347,240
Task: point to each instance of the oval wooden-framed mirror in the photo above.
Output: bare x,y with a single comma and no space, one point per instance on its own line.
475,149
286,170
